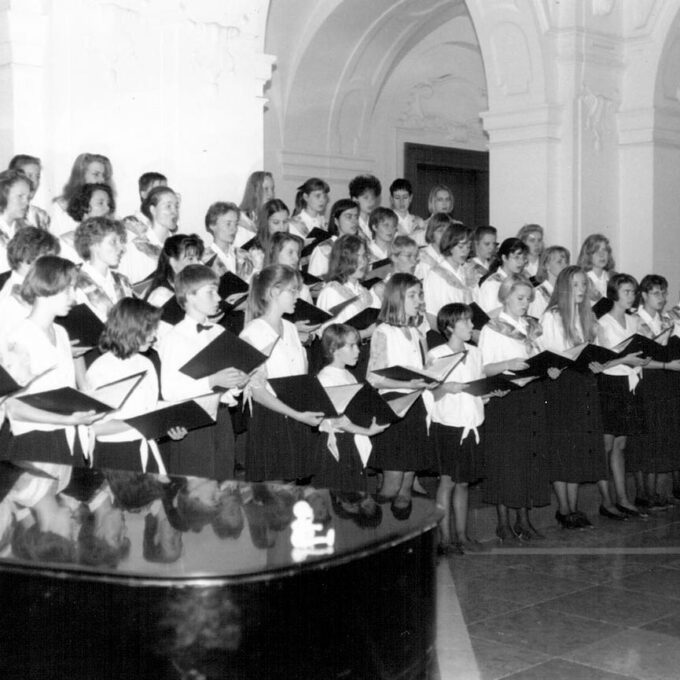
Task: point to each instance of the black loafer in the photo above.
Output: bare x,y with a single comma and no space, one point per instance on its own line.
631,512
612,515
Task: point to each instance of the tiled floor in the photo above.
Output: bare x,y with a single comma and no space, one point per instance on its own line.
602,604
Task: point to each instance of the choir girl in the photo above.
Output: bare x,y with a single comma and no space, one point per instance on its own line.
430,255
365,191
655,451
274,217
343,219
347,267
281,442
130,329
532,236
552,261
91,200
517,473
404,448
440,200
311,202
484,245
221,222
161,208
511,258
88,168
24,248
340,346
620,398
457,419
32,168
258,190
596,258
449,281
401,196
575,427
208,451
383,225
15,190
40,351
138,222
285,248
178,251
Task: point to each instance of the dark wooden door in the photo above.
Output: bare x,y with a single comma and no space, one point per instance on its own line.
465,172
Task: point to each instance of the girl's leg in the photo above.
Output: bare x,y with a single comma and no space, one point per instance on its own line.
524,529
560,489
607,507
406,486
503,529
618,468
460,511
444,491
391,483
572,496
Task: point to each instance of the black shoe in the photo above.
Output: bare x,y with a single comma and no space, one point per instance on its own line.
401,512
612,515
582,519
447,549
565,521
639,514
643,503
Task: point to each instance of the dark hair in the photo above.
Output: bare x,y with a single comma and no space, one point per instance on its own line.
392,310
379,215
95,551
42,546
190,279
252,194
28,244
435,223
216,210
133,490
173,248
339,207
509,247
401,243
93,230
79,204
222,523
648,283
8,178
401,185
312,184
155,551
78,170
276,244
453,235
343,260
48,276
362,183
148,178
618,280
481,232
334,337
153,198
21,160
270,208
449,314
128,326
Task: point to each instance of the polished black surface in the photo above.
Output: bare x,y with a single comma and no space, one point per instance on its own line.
109,574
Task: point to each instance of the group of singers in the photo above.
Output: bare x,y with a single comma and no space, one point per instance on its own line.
427,280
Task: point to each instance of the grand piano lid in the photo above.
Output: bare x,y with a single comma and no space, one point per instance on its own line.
142,527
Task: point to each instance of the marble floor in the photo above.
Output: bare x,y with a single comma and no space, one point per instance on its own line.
600,604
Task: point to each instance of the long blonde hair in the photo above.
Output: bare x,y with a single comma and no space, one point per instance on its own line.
562,302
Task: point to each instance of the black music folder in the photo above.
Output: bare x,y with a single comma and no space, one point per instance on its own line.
83,325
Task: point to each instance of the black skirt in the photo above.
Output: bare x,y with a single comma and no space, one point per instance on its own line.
405,445
280,448
346,474
39,446
622,410
205,452
462,461
516,440
575,431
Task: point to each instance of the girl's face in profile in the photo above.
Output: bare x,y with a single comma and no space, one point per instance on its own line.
185,258
437,236
443,202
362,265
286,297
515,262
278,221
485,247
225,227
166,212
109,250
348,222
33,172
413,300
462,329
99,204
95,173
64,300
348,354
149,341
556,264
655,300
18,198
460,253
534,241
406,262
289,254
579,287
267,189
517,303
316,201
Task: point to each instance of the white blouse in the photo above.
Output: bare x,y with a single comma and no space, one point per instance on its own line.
318,260
439,292
554,337
395,346
288,356
497,347
540,304
609,334
599,283
488,292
